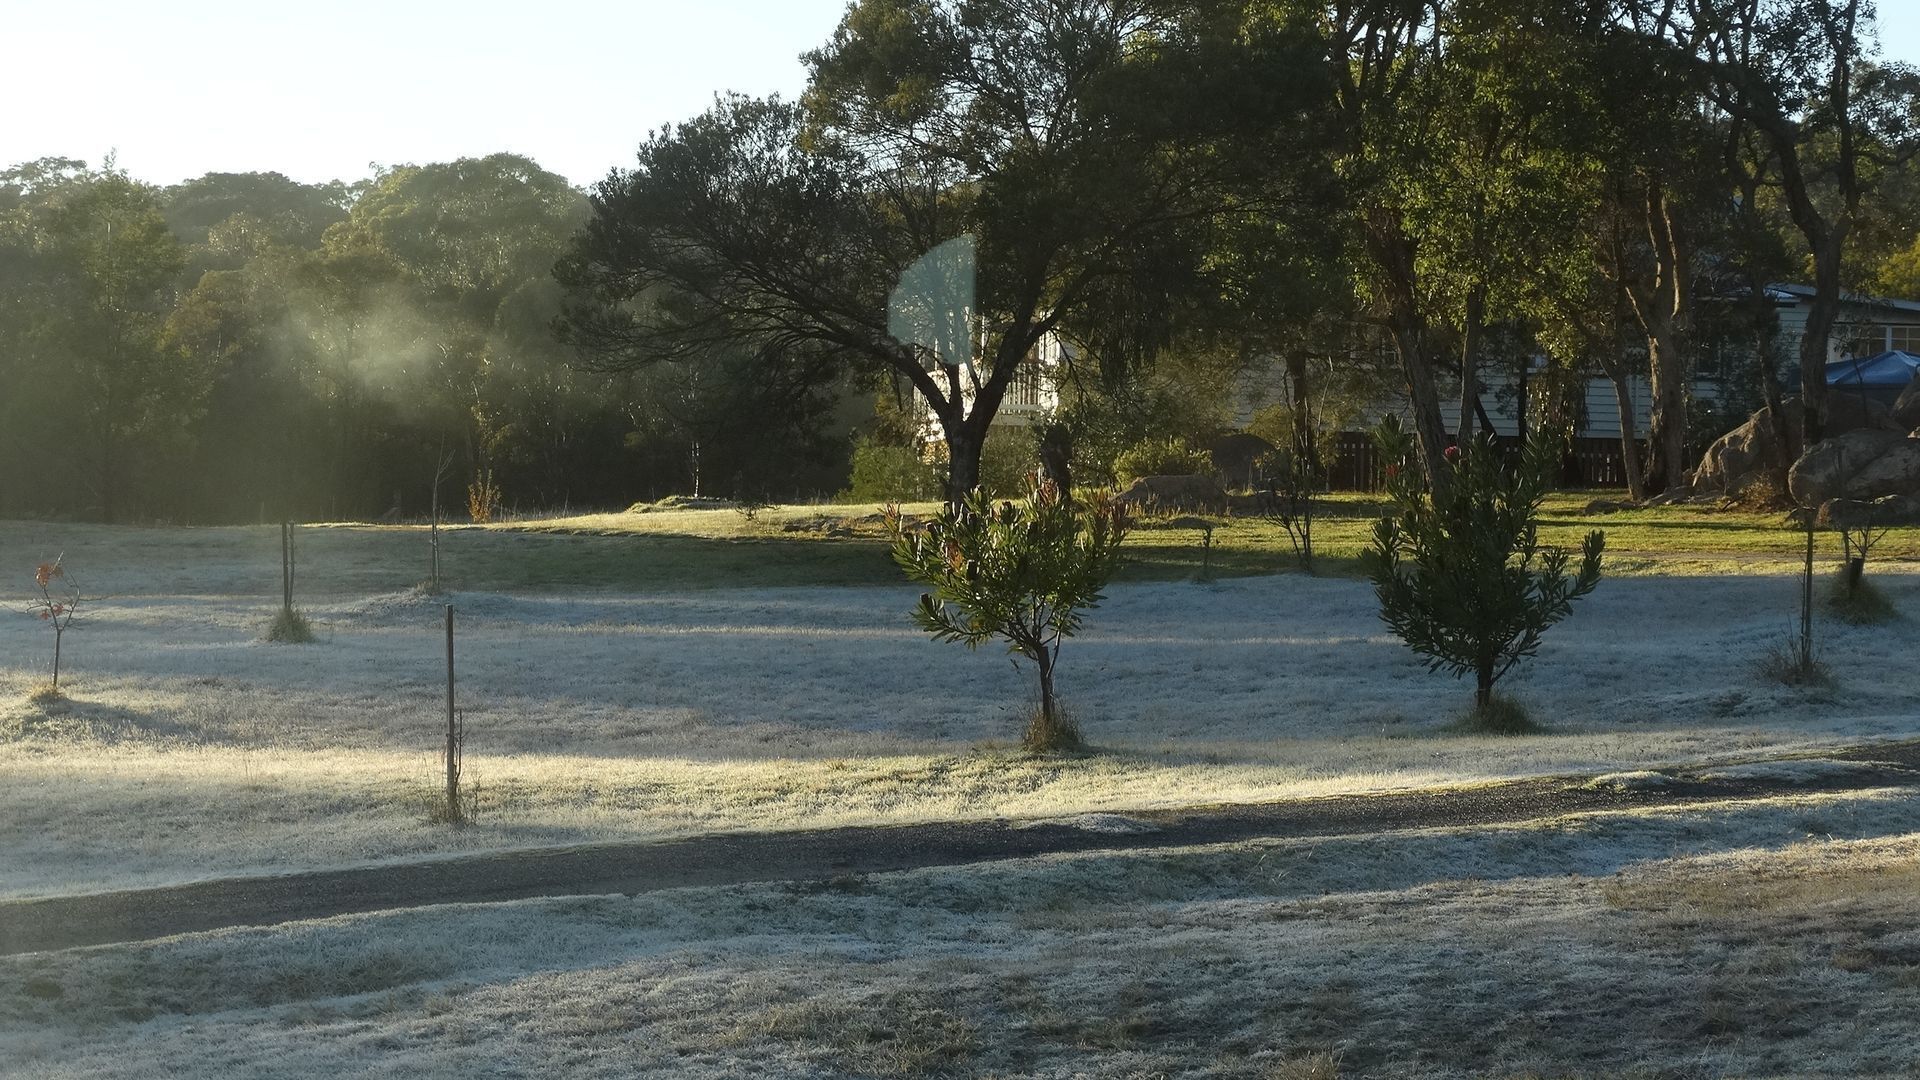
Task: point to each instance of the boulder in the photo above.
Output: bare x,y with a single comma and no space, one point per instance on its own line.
1823,472
1896,471
1752,447
1164,494
1906,408
1874,513
1749,463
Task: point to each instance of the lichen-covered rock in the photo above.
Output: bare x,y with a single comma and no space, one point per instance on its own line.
1166,494
1895,471
1732,456
1750,463
1825,471
1906,409
1870,513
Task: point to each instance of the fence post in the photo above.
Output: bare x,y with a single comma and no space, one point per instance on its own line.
453,734
286,565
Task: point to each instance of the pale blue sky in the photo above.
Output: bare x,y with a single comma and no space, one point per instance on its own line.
320,90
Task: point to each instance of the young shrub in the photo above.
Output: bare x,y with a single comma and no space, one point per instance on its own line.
1463,580
1393,447
57,605
1026,572
1161,457
483,497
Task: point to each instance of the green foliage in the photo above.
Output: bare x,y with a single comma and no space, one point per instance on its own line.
1024,572
1161,457
1008,461
1462,578
1393,444
887,473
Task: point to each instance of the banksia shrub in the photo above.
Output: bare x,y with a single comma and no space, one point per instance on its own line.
1463,580
1025,572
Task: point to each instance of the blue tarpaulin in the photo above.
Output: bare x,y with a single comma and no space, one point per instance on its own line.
1889,370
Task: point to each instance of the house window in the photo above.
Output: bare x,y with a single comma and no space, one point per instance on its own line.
1904,338
1859,340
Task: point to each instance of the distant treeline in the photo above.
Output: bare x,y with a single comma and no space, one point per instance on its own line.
1379,203
244,347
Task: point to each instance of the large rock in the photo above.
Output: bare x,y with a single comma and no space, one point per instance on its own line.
1752,447
1825,471
1875,513
1896,471
1749,463
1165,494
1906,409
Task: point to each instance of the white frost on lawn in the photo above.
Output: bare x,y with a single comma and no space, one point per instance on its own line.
1609,943
1115,824
1792,771
196,749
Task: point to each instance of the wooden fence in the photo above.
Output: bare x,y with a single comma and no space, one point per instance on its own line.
1591,463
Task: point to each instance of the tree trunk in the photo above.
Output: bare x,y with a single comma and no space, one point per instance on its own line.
1815,343
1520,400
1469,365
1629,438
1668,437
1424,395
963,460
1056,458
1393,254
1483,685
58,633
1047,707
108,464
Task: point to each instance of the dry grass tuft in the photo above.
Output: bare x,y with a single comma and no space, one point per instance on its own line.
1317,1066
1784,663
289,627
1052,736
1862,604
47,696
886,1034
1501,716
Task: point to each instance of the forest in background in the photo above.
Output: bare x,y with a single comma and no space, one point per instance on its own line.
243,347
1417,200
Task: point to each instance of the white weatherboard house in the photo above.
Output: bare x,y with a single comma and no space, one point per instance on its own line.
1867,326
1033,393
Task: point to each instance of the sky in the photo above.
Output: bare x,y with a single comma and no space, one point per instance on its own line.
319,91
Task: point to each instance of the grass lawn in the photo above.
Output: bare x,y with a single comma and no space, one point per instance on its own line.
824,545
638,675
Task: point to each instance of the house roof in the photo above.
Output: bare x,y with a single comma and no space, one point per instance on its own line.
1794,294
